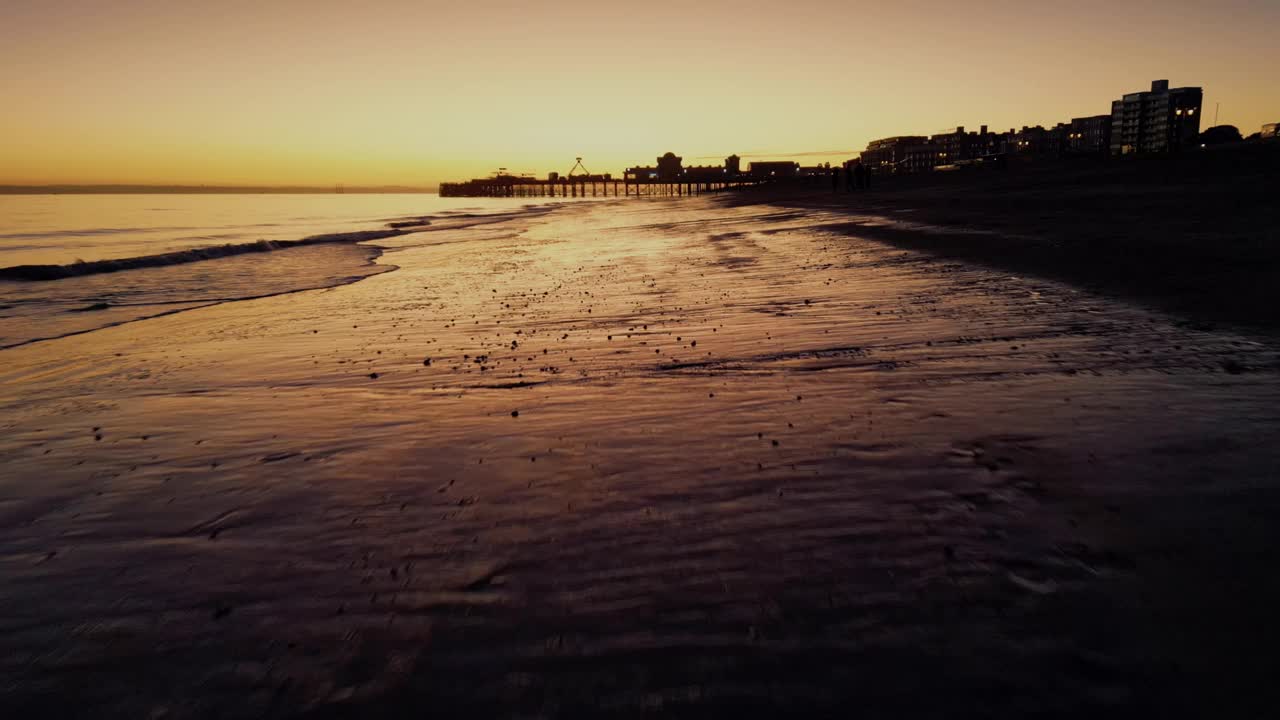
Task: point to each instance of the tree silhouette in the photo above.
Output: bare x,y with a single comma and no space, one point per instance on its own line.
1220,134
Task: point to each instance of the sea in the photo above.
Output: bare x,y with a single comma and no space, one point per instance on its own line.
71,264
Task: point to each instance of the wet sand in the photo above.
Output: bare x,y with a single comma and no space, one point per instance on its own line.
669,457
1196,234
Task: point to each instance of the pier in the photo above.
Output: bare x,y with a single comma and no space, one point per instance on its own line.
669,178
509,186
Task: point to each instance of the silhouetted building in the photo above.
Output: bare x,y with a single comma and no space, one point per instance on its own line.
1160,120
705,173
921,157
1057,139
887,154
640,172
954,145
988,143
958,145
1089,135
775,169
1081,136
669,166
711,173
1029,141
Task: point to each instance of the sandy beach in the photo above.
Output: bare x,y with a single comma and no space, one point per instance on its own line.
697,457
1193,234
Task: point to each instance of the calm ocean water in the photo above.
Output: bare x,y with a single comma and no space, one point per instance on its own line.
95,256
61,229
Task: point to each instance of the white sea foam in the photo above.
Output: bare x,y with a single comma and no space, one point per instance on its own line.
138,270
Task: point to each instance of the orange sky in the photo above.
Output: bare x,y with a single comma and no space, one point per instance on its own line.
315,92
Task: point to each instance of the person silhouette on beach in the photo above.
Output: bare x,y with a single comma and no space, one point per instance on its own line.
835,179
848,177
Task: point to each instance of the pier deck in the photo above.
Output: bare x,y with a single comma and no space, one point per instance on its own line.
588,187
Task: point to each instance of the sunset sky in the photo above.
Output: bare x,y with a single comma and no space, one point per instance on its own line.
271,92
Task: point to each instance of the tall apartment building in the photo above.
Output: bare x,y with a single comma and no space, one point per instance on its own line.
1160,120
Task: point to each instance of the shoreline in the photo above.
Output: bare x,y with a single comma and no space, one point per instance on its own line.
1193,235
51,272
43,302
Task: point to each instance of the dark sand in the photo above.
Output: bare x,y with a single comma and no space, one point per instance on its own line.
1195,234
647,458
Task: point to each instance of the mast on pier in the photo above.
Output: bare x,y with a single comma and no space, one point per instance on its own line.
578,166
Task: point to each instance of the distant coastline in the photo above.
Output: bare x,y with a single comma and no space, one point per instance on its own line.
205,190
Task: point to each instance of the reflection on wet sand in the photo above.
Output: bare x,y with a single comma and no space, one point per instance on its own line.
635,457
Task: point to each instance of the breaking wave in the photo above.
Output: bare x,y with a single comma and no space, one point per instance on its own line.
96,267
393,228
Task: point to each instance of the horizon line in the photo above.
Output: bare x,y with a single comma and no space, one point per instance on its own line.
190,188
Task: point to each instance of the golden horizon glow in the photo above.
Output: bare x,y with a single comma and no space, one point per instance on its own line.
409,93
